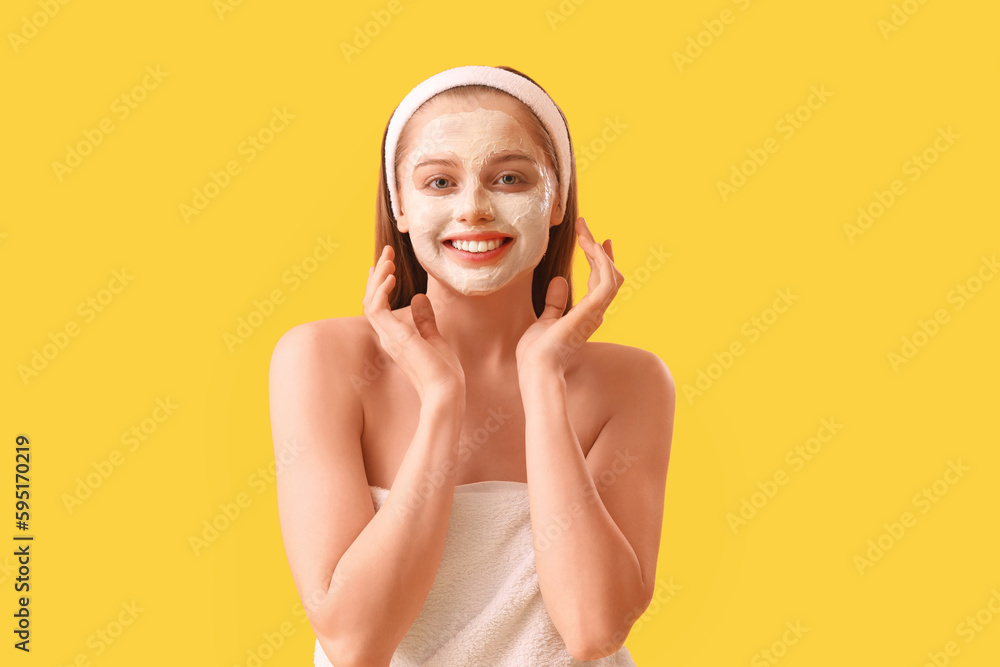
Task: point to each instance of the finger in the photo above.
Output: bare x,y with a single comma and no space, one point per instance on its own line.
372,281
587,250
381,296
376,301
600,275
584,317
609,281
586,229
588,313
616,275
392,331
383,268
593,244
423,317
555,299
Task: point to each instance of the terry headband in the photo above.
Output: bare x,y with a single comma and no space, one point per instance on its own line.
494,77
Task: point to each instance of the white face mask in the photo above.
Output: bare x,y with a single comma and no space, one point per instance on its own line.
440,202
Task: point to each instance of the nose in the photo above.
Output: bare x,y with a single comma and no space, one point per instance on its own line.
475,205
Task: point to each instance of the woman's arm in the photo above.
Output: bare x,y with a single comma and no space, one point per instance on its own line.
596,521
363,576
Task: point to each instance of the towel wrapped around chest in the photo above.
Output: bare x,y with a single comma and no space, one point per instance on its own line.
485,608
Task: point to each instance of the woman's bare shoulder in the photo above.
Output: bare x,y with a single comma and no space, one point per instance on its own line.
346,340
617,367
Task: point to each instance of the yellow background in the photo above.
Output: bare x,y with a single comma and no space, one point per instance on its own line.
684,126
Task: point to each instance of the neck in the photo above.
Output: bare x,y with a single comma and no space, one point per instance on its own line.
483,330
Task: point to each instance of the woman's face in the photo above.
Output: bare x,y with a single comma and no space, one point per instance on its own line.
477,194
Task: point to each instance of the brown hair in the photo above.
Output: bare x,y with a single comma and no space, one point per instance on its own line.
411,278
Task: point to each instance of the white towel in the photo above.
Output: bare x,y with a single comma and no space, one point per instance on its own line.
485,608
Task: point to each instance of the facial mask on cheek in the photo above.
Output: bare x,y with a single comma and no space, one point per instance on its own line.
473,136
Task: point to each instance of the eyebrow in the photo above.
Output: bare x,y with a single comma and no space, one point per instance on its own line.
512,157
494,159
447,162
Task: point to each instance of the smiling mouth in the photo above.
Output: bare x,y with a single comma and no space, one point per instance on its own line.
475,247
471,255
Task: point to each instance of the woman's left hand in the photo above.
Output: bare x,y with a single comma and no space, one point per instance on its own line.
551,341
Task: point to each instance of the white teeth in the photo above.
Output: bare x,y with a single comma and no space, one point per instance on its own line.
477,246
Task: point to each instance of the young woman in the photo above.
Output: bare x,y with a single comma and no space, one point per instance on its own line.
472,482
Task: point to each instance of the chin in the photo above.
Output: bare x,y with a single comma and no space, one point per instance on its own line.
478,285
479,291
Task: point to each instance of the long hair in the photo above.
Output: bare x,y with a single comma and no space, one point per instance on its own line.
411,278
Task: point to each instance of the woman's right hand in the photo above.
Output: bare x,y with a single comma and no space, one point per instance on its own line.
419,350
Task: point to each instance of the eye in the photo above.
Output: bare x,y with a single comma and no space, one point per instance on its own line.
439,183
515,178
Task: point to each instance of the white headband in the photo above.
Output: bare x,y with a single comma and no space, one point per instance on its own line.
482,75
